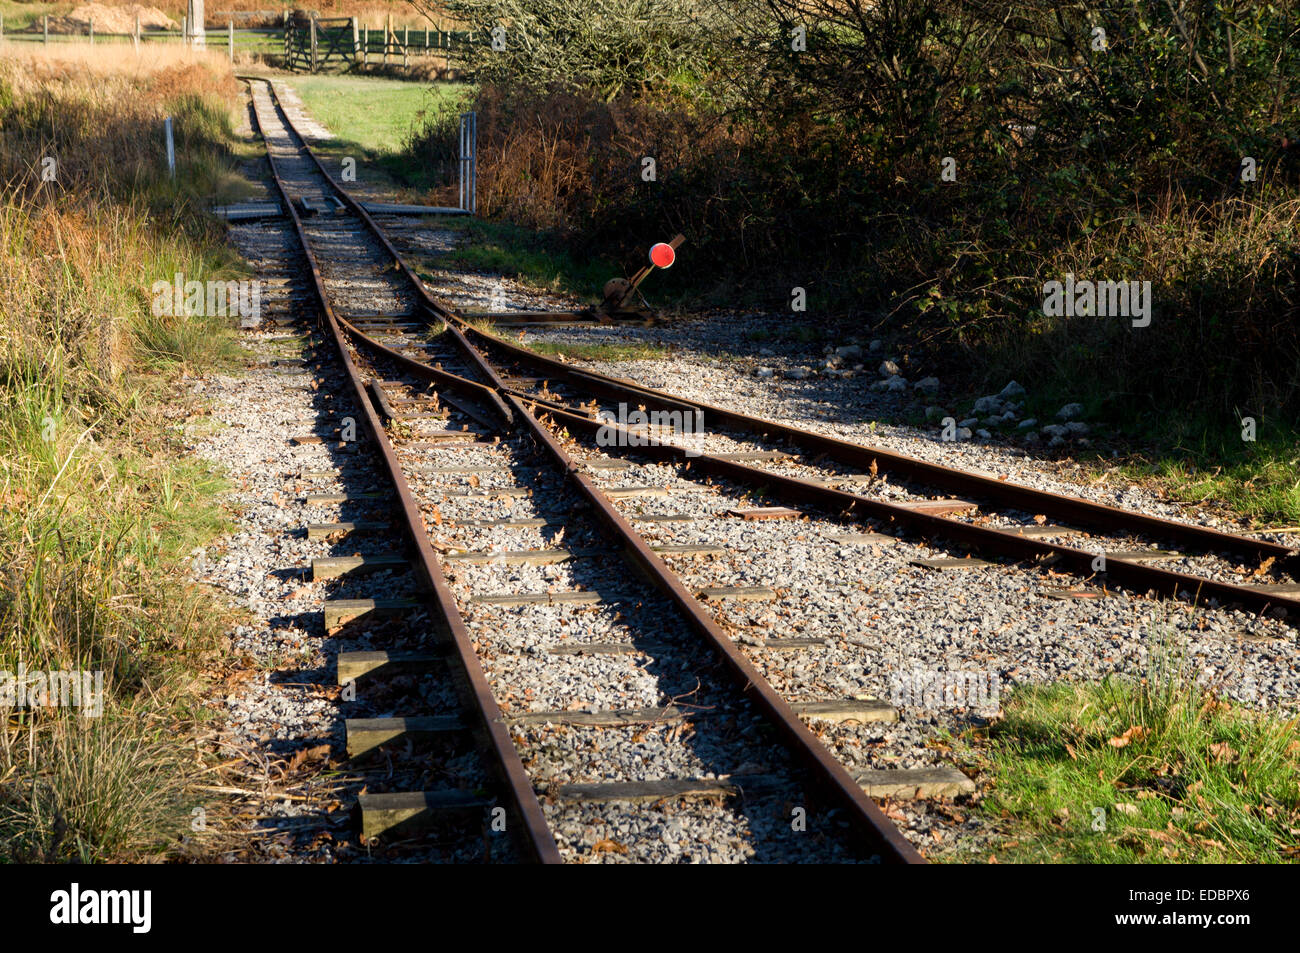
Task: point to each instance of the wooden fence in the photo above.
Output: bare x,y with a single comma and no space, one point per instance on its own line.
312,43
220,37
307,42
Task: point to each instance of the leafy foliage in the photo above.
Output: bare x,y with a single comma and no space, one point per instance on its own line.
1103,139
607,46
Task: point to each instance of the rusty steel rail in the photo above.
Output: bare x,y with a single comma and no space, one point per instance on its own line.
520,798
826,773
1124,571
824,769
1081,512
1073,509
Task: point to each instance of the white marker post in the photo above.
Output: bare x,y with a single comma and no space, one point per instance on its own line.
473,165
197,35
469,162
464,162
171,148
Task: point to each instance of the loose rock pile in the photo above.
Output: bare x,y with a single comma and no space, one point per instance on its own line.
990,415
1001,412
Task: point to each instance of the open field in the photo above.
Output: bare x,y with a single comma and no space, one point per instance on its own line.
379,115
20,16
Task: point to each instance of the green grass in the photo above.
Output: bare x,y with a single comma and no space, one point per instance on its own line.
1259,480
622,351
374,117
534,258
376,114
1155,770
19,16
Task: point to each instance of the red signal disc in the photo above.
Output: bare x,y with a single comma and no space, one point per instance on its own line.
662,255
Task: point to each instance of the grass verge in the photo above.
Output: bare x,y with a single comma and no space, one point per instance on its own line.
100,504
1259,480
1149,770
614,351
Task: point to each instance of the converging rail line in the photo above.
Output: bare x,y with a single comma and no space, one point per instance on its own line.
1238,570
522,430
484,492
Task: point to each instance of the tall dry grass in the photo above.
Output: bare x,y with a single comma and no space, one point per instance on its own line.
97,506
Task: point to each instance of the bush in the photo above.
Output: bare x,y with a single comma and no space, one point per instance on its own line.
611,47
821,168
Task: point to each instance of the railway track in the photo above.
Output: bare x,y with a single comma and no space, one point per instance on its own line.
558,422
1104,547
991,516
481,493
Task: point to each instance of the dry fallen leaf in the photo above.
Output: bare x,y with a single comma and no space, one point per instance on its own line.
303,755
608,846
1222,751
1134,733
